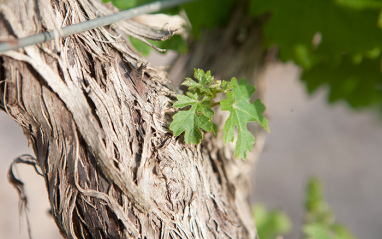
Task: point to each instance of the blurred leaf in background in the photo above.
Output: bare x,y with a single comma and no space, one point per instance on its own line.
319,221
208,14
270,224
319,218
337,43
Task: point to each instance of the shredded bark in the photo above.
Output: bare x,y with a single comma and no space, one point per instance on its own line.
19,185
95,114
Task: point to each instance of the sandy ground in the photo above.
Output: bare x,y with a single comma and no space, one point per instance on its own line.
307,138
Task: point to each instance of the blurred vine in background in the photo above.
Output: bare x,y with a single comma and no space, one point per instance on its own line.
270,224
337,43
320,222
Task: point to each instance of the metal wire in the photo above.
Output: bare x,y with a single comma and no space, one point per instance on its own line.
88,25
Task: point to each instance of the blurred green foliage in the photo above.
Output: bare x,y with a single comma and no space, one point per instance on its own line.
319,221
319,218
270,224
336,42
208,14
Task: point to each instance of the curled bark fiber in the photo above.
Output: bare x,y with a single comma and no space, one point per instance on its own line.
94,113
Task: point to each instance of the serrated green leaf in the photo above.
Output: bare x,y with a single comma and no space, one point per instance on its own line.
226,85
191,121
206,84
204,78
184,101
200,98
190,83
241,113
199,74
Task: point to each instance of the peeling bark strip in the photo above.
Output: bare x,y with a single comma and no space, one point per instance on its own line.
7,45
94,113
19,185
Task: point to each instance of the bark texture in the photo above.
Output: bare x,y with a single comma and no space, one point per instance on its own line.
97,117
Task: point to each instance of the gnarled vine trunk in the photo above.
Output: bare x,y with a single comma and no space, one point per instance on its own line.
97,117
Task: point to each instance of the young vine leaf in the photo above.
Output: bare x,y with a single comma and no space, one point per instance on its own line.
198,102
200,114
242,112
